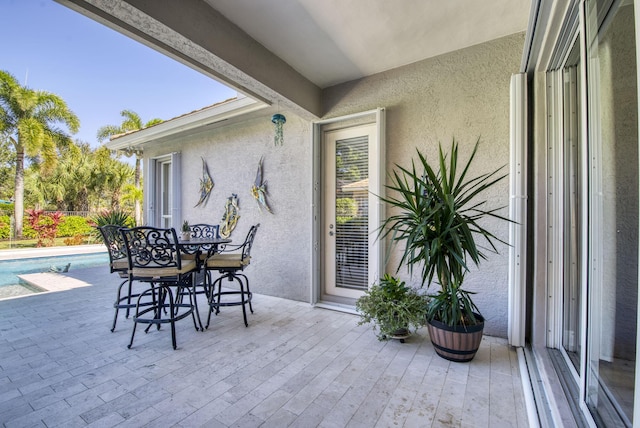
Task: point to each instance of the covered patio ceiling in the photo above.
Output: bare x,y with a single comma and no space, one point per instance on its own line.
288,51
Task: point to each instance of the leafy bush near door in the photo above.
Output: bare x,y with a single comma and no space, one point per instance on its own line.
391,306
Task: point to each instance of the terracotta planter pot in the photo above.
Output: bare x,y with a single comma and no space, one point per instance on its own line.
458,343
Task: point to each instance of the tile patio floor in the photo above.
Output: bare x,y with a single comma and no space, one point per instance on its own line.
294,365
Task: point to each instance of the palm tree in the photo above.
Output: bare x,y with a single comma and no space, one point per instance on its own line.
29,121
73,178
131,122
118,181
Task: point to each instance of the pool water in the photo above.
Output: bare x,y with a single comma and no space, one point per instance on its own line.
10,269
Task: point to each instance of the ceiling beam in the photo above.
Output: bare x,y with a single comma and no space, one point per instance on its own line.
194,33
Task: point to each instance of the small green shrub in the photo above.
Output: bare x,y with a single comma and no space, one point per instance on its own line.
6,208
116,217
5,227
27,231
390,305
74,225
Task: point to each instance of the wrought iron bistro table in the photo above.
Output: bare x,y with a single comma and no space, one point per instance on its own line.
200,248
197,245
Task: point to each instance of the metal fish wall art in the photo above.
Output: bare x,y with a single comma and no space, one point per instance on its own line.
259,189
206,185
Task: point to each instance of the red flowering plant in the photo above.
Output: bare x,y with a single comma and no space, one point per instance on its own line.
44,225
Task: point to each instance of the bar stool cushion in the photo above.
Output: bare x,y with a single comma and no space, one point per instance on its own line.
161,271
122,265
218,261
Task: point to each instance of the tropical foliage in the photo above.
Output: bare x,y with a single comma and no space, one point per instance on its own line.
69,226
73,225
84,179
131,122
115,217
438,219
34,124
45,226
7,171
5,226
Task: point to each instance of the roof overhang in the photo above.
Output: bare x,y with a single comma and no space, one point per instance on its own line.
287,52
218,115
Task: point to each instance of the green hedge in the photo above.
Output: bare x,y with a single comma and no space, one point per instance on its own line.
5,226
70,226
73,225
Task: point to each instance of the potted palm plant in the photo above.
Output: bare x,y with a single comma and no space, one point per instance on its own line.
393,308
438,217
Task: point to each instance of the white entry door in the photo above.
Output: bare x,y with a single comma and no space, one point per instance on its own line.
348,231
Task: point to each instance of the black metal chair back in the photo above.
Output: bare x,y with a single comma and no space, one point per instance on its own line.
202,230
151,248
248,243
115,246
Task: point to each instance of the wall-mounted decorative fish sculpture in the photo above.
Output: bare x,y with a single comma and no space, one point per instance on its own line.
259,189
206,185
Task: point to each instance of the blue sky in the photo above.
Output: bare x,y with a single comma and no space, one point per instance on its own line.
96,70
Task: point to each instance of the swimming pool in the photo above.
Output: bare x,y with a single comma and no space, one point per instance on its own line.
10,269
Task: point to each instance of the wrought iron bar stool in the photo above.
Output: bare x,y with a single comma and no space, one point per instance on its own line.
230,263
154,256
118,263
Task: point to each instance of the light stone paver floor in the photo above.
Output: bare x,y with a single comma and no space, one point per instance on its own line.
294,365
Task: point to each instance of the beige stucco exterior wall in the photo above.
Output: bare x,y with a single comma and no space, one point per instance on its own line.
281,253
462,95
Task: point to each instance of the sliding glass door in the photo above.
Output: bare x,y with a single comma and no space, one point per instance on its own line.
572,208
613,212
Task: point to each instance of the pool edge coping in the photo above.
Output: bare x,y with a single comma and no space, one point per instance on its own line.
30,253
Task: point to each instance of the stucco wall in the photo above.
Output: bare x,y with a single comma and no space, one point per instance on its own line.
462,95
280,262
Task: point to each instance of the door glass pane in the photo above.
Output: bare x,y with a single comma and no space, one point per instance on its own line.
352,213
165,194
572,212
613,214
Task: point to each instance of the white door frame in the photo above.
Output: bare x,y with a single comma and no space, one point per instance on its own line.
376,207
